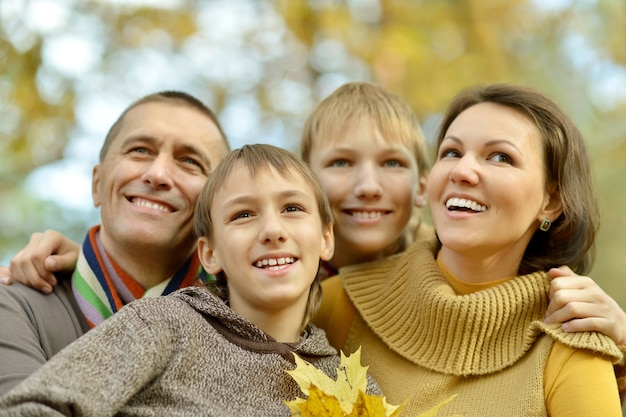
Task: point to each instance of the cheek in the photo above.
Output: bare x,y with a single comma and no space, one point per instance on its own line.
334,188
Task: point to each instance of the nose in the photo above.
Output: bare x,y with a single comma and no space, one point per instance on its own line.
272,229
158,173
466,170
367,181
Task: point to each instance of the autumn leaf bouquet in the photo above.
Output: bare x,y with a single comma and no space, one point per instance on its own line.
343,397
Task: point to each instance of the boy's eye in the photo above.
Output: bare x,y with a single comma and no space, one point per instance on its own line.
393,163
293,208
339,163
242,215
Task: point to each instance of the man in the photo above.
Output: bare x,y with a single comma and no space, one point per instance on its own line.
153,165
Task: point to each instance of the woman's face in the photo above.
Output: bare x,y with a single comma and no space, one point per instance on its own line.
487,187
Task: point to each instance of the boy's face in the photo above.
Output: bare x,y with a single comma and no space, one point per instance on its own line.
149,181
268,239
372,185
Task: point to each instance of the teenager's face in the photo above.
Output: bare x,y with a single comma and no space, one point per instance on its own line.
487,187
151,176
268,239
372,184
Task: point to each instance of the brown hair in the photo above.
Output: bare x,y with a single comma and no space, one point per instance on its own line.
570,240
260,158
171,97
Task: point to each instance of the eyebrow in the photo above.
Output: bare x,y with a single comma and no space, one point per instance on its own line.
249,198
186,148
489,143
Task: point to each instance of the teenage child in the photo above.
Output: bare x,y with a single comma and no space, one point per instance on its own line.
367,148
264,224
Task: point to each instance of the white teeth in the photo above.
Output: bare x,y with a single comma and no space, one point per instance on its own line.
274,262
464,203
149,204
367,214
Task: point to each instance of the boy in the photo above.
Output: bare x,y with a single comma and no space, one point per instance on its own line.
368,150
264,224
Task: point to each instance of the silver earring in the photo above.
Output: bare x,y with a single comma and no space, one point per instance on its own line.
545,224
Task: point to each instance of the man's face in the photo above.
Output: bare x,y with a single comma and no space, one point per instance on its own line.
151,176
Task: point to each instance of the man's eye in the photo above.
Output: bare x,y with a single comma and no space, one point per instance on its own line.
139,149
192,161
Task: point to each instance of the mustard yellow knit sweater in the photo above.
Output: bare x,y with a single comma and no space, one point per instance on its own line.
424,343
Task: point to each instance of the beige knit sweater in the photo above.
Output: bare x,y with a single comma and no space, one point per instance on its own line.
425,343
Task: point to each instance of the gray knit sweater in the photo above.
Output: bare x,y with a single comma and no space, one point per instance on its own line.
186,354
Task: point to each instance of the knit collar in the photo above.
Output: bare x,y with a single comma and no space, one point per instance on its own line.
240,331
408,303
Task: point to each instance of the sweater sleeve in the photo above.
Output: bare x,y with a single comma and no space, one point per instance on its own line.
96,375
580,383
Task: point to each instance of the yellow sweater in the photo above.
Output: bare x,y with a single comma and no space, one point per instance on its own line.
425,343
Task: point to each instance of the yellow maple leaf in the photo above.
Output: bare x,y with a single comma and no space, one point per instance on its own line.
345,396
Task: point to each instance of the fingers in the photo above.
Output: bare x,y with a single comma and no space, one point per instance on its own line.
5,275
29,265
581,305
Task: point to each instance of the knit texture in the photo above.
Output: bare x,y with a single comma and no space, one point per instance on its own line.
186,354
442,343
101,287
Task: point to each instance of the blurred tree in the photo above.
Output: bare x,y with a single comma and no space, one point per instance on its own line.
262,65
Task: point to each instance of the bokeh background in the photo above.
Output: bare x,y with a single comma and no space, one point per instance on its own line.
69,67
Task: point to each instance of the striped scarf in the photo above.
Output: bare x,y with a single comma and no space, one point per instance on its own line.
101,287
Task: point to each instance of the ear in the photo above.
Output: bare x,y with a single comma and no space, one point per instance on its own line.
207,256
552,205
328,243
420,194
95,186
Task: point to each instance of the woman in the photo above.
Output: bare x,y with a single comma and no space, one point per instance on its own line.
511,197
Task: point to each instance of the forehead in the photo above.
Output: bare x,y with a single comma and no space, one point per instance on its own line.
173,123
495,121
361,130
266,181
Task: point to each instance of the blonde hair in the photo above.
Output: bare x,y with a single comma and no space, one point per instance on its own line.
393,117
260,158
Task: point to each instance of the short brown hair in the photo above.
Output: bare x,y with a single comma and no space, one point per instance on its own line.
260,158
570,241
170,97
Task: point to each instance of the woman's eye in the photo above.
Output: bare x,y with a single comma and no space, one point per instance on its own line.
449,153
502,158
